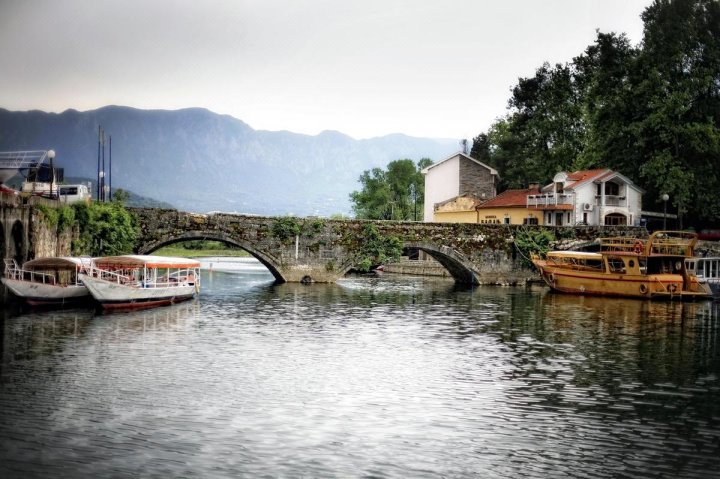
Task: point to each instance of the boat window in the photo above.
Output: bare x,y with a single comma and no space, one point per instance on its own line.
616,265
631,264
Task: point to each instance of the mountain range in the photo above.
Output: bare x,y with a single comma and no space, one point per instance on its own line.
200,161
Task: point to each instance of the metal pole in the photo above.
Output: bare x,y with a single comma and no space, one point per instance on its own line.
98,166
102,189
110,171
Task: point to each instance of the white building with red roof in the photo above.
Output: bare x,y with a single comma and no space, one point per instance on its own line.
591,197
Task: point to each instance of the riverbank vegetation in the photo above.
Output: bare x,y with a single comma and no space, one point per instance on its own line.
200,249
105,229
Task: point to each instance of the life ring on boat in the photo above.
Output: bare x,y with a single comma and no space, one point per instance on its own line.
551,278
643,289
672,288
638,248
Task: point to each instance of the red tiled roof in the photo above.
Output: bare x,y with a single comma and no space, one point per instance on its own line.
583,175
509,198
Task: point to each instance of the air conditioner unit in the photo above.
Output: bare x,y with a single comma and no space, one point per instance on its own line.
587,207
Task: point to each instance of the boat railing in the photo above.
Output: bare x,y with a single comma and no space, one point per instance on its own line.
15,272
622,244
122,277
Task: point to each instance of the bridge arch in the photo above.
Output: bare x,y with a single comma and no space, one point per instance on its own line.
267,260
459,267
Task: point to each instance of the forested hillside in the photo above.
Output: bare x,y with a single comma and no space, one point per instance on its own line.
650,111
198,160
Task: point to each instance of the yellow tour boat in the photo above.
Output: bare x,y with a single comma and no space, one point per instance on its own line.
650,268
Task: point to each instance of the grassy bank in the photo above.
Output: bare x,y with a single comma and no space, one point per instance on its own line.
198,249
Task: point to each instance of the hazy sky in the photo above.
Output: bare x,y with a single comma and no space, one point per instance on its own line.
434,68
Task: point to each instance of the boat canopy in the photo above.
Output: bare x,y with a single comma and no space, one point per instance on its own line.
61,262
575,254
147,261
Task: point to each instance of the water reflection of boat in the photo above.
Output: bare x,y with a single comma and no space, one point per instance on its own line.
47,281
141,281
629,267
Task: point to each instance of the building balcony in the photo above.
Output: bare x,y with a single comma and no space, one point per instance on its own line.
550,200
612,200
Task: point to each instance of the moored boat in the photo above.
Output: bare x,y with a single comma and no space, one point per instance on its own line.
47,281
141,281
707,270
650,268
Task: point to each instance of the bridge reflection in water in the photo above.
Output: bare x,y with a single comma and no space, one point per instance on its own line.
372,376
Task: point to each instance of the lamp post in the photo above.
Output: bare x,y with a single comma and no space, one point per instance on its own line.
665,199
413,195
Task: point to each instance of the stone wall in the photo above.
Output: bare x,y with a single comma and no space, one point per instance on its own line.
45,240
476,180
26,234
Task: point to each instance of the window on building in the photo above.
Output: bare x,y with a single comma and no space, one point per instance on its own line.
507,220
612,189
615,219
530,221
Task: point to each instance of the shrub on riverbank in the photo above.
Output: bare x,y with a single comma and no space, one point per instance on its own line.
105,229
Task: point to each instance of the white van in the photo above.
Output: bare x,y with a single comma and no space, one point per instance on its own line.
70,194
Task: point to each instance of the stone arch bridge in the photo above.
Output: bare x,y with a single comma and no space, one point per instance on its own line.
326,250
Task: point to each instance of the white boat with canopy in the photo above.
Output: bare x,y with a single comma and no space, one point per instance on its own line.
707,270
141,281
47,281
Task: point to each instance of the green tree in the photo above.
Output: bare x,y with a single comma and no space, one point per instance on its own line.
678,125
121,196
105,229
650,112
393,194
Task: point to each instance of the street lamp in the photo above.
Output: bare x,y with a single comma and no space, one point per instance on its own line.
413,194
665,199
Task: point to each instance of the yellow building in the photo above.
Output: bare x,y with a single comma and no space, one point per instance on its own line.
509,207
461,209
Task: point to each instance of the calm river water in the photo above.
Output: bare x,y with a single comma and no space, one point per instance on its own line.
381,377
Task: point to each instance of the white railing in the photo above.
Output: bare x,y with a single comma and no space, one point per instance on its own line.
15,272
551,199
133,278
612,200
